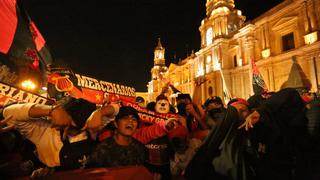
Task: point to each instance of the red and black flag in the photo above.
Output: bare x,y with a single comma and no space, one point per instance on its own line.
23,53
259,86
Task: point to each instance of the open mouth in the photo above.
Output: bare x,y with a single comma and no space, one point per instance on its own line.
129,126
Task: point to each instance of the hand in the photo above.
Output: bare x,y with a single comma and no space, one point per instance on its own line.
261,148
156,176
183,121
250,121
4,127
171,123
106,100
200,80
41,172
94,122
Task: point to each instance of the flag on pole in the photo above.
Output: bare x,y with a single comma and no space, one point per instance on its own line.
22,47
226,93
259,86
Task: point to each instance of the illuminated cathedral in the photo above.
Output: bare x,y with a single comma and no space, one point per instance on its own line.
287,33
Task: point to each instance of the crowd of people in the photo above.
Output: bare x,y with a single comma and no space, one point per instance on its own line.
269,136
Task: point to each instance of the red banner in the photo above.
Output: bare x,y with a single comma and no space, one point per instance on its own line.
8,24
149,116
92,89
9,94
123,173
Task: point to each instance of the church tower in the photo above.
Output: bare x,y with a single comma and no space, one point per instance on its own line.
159,54
159,66
157,72
222,21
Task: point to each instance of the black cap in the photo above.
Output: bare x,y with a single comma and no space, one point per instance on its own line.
126,111
184,96
79,110
214,99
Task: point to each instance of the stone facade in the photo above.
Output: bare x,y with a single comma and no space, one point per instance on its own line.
290,29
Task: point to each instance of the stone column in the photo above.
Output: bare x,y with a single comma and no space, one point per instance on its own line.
249,48
316,7
271,78
223,54
239,50
313,73
267,34
242,85
313,19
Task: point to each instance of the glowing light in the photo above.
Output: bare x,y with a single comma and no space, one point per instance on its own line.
208,59
209,37
239,13
311,38
44,88
265,53
217,66
208,64
28,84
200,72
240,62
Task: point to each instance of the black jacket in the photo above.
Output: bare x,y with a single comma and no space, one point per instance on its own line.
223,153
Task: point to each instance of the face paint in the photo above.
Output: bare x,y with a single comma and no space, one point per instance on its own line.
162,106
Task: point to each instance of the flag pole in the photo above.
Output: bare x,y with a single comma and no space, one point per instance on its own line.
227,95
316,73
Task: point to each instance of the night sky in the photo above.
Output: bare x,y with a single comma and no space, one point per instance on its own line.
114,40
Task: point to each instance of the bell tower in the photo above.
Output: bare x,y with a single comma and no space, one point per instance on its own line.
157,72
222,21
159,66
159,55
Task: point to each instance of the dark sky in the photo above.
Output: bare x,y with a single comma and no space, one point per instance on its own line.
113,40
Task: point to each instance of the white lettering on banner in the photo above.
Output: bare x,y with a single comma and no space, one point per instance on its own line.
156,146
112,88
14,95
147,118
150,116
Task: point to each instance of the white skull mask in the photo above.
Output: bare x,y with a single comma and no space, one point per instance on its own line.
162,106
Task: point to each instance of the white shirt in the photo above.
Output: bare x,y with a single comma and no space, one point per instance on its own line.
46,139
39,131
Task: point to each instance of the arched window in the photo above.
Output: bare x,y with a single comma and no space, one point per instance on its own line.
208,63
209,36
210,91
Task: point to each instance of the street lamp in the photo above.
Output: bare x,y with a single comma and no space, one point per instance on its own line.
28,85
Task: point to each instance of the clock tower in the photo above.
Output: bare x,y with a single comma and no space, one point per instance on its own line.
157,72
